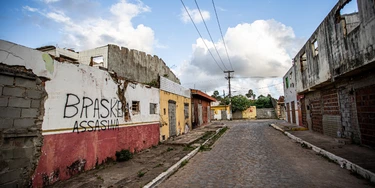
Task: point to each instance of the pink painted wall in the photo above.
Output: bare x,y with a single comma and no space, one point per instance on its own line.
63,154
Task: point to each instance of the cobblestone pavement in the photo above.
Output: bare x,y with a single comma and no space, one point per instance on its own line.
252,154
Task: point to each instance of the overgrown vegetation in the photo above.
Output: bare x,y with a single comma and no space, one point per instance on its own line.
169,149
184,163
241,102
188,148
140,174
123,155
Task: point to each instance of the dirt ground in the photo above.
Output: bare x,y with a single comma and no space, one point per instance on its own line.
137,172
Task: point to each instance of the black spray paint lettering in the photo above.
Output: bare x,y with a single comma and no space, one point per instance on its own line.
93,108
95,125
89,108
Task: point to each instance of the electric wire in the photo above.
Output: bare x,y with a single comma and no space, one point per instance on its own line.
208,31
201,36
218,23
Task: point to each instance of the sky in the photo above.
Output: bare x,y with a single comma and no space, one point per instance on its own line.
260,37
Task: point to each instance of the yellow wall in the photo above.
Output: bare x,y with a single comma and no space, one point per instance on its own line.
218,109
180,116
250,113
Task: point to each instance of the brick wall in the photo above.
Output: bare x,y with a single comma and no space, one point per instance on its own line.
21,106
303,112
365,101
316,115
331,112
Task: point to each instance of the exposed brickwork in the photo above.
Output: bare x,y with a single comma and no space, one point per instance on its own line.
304,113
316,112
20,125
365,101
330,102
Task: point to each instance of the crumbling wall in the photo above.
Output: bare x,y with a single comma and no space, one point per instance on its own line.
22,98
266,113
138,66
345,43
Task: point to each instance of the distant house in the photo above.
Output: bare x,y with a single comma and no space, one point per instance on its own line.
221,112
200,107
290,99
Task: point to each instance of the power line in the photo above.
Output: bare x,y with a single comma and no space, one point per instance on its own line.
200,35
208,31
218,23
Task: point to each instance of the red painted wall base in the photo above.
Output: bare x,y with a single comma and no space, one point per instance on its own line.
67,154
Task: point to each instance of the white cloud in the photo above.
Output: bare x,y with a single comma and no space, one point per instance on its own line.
195,15
262,49
50,1
30,9
94,31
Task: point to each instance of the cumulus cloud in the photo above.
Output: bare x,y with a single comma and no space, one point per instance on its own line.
261,52
194,13
93,31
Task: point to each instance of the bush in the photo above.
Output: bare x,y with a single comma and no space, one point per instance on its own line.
123,155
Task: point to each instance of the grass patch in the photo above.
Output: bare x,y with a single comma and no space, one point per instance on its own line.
184,163
158,165
99,177
169,149
217,136
188,148
140,174
204,148
123,155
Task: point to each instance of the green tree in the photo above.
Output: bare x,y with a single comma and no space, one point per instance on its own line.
264,102
216,95
225,101
250,94
240,103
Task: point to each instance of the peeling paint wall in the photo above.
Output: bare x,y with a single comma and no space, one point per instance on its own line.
219,110
171,92
290,96
140,67
88,114
345,43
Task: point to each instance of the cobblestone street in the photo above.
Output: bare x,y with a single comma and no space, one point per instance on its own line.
252,154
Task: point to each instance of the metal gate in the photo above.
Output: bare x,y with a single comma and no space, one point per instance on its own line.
200,118
172,118
224,115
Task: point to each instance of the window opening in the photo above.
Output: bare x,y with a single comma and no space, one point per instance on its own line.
135,106
153,107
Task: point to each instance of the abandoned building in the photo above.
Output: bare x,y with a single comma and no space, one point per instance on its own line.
61,114
334,75
140,67
201,108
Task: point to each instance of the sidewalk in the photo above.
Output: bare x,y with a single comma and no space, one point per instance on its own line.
356,158
146,165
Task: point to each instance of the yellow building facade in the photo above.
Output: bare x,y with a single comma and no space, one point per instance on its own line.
250,113
221,112
175,109
175,114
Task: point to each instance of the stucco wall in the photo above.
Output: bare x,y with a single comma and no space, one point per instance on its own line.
266,113
290,95
87,114
181,121
140,67
85,56
217,112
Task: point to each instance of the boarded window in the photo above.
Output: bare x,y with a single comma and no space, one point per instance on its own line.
186,110
135,106
153,107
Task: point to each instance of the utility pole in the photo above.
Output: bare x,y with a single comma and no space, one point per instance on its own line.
229,77
230,93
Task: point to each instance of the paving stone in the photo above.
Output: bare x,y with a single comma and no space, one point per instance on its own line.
252,154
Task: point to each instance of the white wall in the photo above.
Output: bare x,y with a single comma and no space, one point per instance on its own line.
80,95
172,87
85,56
290,93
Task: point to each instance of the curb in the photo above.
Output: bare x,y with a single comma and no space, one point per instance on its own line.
344,163
176,166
